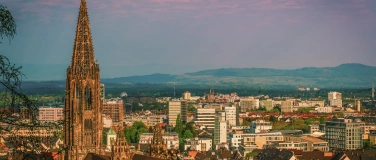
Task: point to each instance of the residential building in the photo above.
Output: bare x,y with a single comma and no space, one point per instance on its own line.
107,121
343,133
313,128
205,117
115,109
268,104
287,106
249,141
249,104
174,108
198,144
253,140
305,143
324,109
50,114
260,126
230,115
372,137
335,99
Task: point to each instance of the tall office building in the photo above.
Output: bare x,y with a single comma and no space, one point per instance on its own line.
344,134
127,108
174,108
183,111
287,106
335,99
230,115
220,128
115,109
82,112
186,95
205,117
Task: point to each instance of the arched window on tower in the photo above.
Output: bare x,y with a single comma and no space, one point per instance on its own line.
88,98
78,95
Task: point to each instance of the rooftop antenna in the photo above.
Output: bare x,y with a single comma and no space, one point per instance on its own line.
174,89
373,92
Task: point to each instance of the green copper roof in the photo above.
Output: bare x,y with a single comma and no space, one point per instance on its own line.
111,132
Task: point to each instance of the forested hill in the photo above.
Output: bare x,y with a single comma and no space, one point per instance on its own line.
345,75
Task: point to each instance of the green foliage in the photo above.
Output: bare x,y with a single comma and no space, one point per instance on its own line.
305,110
251,154
323,120
7,23
311,121
191,107
366,145
190,127
260,109
280,125
299,124
133,133
277,108
246,122
273,119
187,134
179,126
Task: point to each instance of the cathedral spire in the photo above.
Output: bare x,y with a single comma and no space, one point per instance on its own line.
83,51
82,110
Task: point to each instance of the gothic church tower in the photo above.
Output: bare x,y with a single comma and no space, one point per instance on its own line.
82,112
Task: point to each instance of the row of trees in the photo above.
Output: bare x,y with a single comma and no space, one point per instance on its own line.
185,131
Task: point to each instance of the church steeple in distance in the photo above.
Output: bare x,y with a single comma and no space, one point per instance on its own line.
82,110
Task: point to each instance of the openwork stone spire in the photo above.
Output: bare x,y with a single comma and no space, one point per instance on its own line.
82,111
83,52
120,149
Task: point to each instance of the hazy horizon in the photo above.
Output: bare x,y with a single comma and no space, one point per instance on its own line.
179,36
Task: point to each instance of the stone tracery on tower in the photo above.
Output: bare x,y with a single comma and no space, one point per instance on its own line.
83,119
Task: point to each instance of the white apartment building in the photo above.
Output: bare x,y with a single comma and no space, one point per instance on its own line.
249,104
335,99
205,117
287,106
50,114
174,108
254,140
324,109
198,144
259,126
230,116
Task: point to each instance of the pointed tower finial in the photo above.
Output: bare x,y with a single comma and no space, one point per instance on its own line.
83,58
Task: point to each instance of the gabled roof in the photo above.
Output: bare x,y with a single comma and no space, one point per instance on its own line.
111,132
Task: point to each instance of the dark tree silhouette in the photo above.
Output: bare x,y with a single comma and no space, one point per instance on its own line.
19,126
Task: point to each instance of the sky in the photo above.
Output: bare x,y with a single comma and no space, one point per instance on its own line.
138,37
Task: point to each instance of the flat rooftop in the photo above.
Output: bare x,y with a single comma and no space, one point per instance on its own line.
313,139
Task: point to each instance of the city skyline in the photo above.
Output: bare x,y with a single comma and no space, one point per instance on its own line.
163,36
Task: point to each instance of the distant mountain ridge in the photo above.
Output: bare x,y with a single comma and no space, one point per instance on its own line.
351,74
